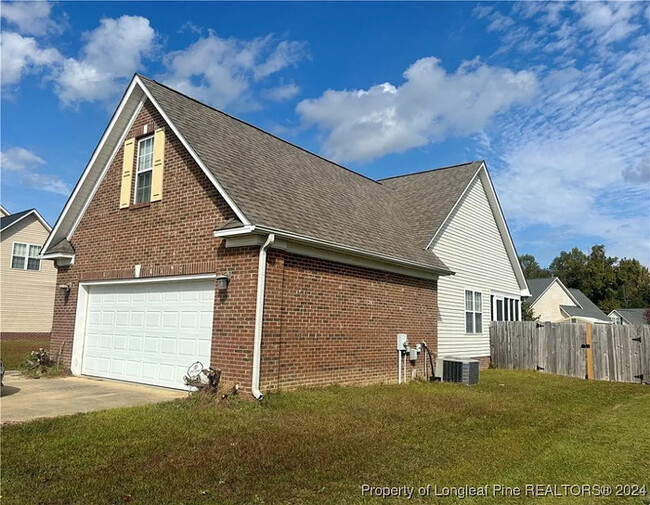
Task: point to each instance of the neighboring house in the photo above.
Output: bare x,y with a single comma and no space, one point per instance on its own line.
192,235
27,284
552,301
628,316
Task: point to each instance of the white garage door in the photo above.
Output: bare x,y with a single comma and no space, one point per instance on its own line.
148,332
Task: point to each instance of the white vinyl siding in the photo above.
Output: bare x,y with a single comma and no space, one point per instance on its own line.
26,296
471,245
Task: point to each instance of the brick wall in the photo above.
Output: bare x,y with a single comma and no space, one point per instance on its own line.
170,237
324,322
332,323
24,335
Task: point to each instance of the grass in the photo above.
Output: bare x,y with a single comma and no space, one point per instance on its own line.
320,446
15,352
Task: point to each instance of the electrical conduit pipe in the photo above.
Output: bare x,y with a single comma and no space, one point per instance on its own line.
259,317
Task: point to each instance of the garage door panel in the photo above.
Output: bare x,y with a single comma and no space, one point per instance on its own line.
149,332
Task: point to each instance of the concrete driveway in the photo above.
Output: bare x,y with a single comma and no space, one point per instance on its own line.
25,399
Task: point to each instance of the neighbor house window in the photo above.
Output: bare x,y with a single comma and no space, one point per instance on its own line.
25,256
144,170
473,312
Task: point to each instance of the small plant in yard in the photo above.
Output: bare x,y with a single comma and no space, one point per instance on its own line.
40,363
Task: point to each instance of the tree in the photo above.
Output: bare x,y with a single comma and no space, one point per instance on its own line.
646,314
633,284
531,267
570,267
527,313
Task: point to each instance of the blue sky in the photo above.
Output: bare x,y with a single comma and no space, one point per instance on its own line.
554,96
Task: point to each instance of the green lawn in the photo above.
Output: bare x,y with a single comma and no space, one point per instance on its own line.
15,352
321,446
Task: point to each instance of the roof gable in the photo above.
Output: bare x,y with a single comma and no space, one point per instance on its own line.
586,309
430,198
631,316
538,287
267,182
12,219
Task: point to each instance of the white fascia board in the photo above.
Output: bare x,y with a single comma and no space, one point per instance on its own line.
504,231
242,230
55,256
38,216
352,250
567,292
308,246
42,220
105,169
147,280
198,160
17,220
502,225
136,81
90,164
453,209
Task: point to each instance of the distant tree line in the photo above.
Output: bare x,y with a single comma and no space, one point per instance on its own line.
609,282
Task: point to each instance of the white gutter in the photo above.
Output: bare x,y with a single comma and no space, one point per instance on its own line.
259,317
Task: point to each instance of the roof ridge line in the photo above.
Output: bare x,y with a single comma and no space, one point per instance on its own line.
430,170
260,129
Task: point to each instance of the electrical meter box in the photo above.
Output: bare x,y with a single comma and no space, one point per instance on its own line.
402,341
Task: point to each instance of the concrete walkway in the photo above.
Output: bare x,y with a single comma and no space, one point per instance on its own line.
25,399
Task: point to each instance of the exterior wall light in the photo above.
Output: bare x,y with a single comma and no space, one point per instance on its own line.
65,288
222,283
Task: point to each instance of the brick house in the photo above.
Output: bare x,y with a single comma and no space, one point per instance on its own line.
193,236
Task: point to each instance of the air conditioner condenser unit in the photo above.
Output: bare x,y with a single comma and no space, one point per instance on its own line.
451,369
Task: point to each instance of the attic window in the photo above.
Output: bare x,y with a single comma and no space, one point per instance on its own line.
144,170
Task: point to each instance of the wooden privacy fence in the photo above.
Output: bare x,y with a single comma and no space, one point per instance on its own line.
618,353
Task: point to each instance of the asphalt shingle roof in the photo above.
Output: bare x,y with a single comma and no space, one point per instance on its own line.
281,186
537,287
589,309
428,197
633,316
7,221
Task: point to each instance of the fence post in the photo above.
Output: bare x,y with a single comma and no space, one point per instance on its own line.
590,353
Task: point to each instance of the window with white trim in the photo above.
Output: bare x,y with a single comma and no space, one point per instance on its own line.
144,170
504,308
25,256
473,312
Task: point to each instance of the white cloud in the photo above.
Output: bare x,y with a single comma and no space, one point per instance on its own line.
577,163
46,182
611,21
18,159
113,52
31,18
222,71
282,93
22,55
430,105
20,166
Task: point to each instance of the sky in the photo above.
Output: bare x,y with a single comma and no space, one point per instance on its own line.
555,97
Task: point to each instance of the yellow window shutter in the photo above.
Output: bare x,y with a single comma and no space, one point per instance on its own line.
127,173
158,164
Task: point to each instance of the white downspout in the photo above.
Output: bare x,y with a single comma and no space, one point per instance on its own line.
259,317
399,367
